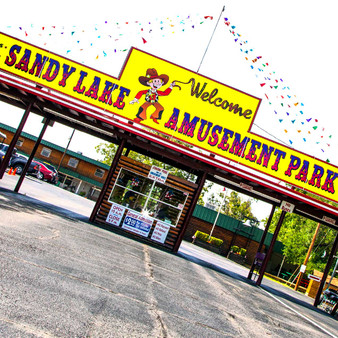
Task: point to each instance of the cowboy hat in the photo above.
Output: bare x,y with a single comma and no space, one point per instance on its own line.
152,74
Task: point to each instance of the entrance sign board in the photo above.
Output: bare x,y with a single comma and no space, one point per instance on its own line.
137,223
174,101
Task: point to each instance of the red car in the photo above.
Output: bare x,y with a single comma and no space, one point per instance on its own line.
47,173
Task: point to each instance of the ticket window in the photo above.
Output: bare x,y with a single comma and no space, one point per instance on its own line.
149,197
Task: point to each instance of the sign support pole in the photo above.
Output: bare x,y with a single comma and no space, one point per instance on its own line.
269,253
30,159
200,182
326,271
261,243
15,139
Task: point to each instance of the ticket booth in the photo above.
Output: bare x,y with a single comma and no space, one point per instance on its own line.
146,201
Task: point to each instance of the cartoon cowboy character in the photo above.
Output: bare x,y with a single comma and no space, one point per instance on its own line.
155,82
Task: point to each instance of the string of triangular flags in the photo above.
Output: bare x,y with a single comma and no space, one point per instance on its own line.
119,33
287,108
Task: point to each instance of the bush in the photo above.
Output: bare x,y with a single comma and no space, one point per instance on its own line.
205,238
235,249
242,252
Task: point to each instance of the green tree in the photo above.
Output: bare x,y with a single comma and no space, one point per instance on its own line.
233,206
296,234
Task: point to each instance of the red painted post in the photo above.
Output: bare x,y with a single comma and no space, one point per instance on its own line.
326,271
30,159
261,243
15,138
200,183
269,253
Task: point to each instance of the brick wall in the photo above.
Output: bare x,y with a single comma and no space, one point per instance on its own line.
229,237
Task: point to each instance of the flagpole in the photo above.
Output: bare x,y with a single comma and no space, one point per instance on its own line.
219,211
212,35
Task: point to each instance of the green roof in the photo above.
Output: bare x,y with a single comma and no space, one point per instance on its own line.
234,225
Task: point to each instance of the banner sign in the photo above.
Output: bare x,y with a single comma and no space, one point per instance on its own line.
177,102
115,214
137,223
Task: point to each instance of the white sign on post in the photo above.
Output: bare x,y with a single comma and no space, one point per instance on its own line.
288,207
115,214
160,232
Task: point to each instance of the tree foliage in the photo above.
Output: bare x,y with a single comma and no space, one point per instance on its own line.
233,205
296,234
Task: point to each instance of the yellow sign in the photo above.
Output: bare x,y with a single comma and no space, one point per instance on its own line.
177,102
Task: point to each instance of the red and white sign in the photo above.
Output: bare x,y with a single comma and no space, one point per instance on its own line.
115,214
329,220
288,207
313,277
160,232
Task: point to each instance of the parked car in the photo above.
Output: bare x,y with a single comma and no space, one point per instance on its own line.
47,173
3,150
18,162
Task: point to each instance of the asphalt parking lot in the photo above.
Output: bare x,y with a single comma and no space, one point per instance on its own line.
64,277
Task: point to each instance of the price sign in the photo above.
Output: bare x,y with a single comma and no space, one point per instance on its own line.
137,223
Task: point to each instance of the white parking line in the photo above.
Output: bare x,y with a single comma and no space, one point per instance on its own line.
299,314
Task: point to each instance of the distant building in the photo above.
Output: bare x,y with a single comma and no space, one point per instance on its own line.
77,173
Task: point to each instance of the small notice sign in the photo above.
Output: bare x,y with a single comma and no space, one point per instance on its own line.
288,207
115,215
160,232
137,223
313,277
158,174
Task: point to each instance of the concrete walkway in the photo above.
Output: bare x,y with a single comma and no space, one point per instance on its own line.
64,277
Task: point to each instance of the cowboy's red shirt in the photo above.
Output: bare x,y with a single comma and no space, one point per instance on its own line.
153,94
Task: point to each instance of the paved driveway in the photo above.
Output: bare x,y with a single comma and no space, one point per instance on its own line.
63,277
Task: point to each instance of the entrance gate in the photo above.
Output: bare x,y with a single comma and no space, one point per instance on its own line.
188,137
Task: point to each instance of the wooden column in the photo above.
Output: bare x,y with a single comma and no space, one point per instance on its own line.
326,271
108,179
269,253
200,182
30,159
15,139
261,243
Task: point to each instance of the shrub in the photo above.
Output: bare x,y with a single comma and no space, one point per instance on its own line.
242,252
235,249
205,238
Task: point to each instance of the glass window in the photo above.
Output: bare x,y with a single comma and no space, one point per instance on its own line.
99,173
149,197
73,162
46,152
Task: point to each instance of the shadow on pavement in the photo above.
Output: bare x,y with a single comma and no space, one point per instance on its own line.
17,202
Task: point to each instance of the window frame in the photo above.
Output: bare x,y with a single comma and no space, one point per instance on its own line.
149,197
